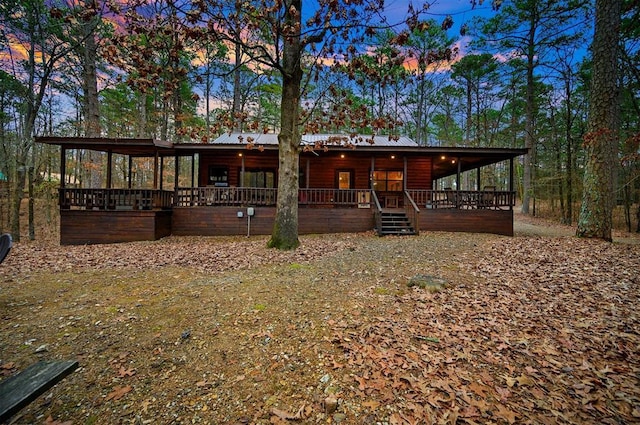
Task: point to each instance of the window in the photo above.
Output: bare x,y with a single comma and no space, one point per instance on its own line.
344,179
259,178
218,176
387,181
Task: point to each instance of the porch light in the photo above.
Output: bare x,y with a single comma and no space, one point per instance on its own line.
393,157
342,155
240,154
443,157
453,161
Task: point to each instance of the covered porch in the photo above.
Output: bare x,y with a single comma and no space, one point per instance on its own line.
419,186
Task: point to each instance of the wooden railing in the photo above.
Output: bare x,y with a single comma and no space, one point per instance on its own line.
224,196
334,197
377,210
412,211
466,199
244,196
133,199
146,199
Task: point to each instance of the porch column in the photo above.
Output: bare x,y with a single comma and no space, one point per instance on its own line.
109,163
241,171
130,168
177,171
155,172
63,166
404,174
511,196
458,174
158,175
478,179
193,169
373,167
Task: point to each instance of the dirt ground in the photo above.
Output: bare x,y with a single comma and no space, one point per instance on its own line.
353,329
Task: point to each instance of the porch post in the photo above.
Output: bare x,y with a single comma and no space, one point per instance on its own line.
478,179
155,172
161,171
193,169
109,163
458,175
63,166
130,167
512,199
177,171
373,167
404,174
241,171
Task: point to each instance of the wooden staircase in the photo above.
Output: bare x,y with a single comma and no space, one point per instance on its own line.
395,222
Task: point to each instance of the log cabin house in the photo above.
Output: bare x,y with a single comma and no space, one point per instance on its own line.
392,187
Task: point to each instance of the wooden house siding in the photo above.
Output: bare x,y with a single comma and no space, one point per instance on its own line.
322,173
79,227
224,221
419,173
499,222
233,162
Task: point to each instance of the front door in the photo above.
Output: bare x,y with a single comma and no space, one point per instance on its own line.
388,185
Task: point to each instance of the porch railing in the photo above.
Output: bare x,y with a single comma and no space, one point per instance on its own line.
244,196
133,199
464,199
224,196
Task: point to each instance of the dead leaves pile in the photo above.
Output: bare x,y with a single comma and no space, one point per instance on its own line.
540,331
527,330
199,253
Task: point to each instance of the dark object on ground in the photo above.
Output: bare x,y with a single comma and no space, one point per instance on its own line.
5,245
19,390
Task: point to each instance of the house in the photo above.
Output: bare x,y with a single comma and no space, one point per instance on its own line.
390,186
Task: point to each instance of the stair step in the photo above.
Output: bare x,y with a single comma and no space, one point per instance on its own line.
395,223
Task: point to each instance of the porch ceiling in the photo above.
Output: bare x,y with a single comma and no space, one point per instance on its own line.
447,162
123,146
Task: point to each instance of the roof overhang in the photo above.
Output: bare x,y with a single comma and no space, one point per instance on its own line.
447,161
124,146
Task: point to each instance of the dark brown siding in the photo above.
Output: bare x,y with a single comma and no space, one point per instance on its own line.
79,227
499,222
419,173
220,221
253,159
322,170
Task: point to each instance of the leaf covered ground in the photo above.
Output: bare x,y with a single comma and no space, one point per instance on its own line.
530,329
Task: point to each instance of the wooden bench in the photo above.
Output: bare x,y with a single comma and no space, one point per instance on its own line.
5,246
17,391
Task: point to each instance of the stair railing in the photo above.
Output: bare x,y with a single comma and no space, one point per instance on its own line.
377,212
412,211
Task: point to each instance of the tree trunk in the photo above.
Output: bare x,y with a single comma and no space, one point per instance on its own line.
529,129
568,217
285,229
596,213
237,101
91,104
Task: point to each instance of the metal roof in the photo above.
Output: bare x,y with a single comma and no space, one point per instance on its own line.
269,139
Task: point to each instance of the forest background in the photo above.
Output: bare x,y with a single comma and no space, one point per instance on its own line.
505,74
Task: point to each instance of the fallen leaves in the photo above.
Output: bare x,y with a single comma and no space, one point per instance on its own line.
118,392
528,318
523,333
